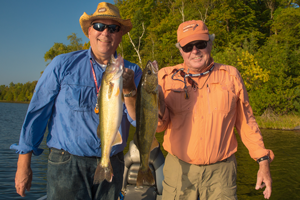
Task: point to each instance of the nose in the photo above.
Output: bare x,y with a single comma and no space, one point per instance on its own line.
195,49
105,32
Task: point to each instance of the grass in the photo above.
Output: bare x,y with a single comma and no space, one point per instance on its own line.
273,121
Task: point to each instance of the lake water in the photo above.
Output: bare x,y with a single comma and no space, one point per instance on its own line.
284,169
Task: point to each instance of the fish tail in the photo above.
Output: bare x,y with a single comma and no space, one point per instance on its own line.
145,178
103,173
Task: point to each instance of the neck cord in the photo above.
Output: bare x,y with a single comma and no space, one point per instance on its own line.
189,77
97,88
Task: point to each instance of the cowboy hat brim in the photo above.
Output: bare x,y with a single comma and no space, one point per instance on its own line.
86,21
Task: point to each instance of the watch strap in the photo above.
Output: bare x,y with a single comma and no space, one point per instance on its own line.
262,158
130,94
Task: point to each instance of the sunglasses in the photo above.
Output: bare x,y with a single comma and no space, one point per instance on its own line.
111,28
199,45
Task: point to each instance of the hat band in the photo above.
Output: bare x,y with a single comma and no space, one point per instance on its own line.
108,15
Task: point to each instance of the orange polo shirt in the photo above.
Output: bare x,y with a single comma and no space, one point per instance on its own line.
199,130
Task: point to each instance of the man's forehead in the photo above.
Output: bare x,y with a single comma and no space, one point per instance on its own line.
106,21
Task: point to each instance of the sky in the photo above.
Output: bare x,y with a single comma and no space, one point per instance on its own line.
29,28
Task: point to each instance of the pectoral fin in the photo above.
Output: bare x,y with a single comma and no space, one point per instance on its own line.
118,92
110,90
118,139
155,144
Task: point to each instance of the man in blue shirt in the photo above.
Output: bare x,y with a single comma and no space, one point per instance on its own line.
65,98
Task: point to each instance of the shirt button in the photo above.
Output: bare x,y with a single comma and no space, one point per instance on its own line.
201,96
202,117
201,138
62,153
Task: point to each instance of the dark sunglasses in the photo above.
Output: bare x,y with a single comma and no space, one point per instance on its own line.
111,28
189,47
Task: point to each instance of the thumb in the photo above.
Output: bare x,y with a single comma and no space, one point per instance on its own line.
259,183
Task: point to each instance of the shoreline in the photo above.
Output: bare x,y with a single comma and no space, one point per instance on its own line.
23,102
270,121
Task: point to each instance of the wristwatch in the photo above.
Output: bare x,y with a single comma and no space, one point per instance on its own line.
131,93
262,158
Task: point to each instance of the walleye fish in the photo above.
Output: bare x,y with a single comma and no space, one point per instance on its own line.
146,121
111,110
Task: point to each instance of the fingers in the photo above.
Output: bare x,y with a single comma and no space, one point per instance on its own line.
267,192
28,186
128,73
128,79
23,180
161,102
264,179
20,190
259,183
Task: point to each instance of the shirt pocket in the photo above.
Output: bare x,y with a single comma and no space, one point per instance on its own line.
175,98
80,98
221,98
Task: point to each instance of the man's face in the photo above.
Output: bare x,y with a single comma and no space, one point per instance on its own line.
197,59
104,43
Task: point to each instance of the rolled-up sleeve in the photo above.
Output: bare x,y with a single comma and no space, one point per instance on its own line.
39,110
247,127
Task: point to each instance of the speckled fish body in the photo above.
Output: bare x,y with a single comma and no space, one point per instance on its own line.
111,110
146,120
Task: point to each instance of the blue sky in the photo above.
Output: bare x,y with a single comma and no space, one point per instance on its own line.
29,28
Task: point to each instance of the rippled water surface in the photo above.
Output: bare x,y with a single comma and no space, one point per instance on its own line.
284,168
11,120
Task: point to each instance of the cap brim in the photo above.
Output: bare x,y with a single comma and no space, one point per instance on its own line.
86,20
192,38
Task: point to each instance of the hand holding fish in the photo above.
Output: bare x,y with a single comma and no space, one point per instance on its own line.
161,100
128,81
129,91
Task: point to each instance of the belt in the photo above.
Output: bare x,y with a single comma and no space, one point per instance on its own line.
66,152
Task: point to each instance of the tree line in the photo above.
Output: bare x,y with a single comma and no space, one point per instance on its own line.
261,38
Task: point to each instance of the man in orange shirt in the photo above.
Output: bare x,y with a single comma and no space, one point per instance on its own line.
204,101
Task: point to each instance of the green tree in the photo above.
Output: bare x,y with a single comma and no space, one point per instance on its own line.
60,48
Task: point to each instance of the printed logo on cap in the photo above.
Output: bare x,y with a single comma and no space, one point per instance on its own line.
188,27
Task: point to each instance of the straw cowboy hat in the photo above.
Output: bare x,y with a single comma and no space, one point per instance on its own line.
104,11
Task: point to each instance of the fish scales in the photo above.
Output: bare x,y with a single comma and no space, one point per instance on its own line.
146,120
110,116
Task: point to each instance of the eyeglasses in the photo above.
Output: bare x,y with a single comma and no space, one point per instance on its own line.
111,28
199,45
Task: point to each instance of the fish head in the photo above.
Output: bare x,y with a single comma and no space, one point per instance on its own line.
149,79
114,69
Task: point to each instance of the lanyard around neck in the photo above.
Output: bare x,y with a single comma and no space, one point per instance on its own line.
95,79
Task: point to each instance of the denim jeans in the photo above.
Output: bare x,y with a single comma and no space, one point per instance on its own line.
70,177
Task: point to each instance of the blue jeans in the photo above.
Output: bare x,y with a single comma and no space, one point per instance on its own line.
70,177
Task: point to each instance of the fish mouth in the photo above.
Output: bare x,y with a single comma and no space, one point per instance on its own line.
118,66
154,67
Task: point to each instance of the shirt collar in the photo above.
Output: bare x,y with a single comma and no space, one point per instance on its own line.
91,55
183,65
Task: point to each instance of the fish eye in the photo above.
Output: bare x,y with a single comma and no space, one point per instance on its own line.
149,72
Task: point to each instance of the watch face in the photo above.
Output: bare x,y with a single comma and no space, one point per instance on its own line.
133,92
130,94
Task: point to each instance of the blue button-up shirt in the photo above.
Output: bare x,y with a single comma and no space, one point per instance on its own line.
65,98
